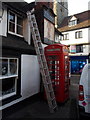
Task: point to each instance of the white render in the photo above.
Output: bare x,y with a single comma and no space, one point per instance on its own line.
30,76
73,41
3,23
84,40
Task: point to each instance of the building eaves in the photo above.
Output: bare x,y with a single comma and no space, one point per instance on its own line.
16,6
49,10
29,6
81,25
15,42
57,31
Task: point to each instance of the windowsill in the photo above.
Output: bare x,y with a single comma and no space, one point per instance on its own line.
7,96
71,25
9,76
65,40
79,38
15,34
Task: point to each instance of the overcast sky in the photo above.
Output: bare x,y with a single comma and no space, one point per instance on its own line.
75,6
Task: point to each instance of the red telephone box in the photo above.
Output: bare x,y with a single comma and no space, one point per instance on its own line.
58,64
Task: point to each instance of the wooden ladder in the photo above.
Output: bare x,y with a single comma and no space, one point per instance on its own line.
42,62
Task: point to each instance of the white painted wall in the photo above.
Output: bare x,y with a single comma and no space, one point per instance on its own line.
72,39
3,24
89,34
26,31
57,38
85,39
30,78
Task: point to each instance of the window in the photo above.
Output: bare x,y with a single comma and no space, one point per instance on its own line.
72,23
8,77
66,36
78,34
15,24
77,65
79,48
9,67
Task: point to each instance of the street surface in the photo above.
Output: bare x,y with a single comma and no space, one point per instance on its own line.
37,108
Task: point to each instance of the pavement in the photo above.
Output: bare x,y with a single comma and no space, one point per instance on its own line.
37,108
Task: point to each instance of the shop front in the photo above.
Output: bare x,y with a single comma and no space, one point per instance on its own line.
77,63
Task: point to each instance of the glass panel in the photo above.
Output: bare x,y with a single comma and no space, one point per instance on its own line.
12,17
13,66
79,48
4,68
19,30
77,66
8,86
11,27
19,21
0,66
80,34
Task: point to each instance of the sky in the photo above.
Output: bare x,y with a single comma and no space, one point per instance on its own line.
75,6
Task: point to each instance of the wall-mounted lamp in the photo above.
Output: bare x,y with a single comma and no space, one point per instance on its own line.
1,14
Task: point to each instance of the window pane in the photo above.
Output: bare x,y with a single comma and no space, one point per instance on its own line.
19,30
11,27
8,86
70,23
75,34
80,34
77,66
79,48
67,36
13,66
4,68
12,17
19,21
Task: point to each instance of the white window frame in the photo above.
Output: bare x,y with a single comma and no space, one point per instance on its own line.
10,94
9,75
66,36
78,34
73,23
14,33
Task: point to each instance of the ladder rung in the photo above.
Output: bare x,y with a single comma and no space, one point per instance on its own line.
37,35
51,91
38,41
41,54
34,22
43,68
40,48
36,29
53,99
48,83
55,107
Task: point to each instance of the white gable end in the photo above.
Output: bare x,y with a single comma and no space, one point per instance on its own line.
73,18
